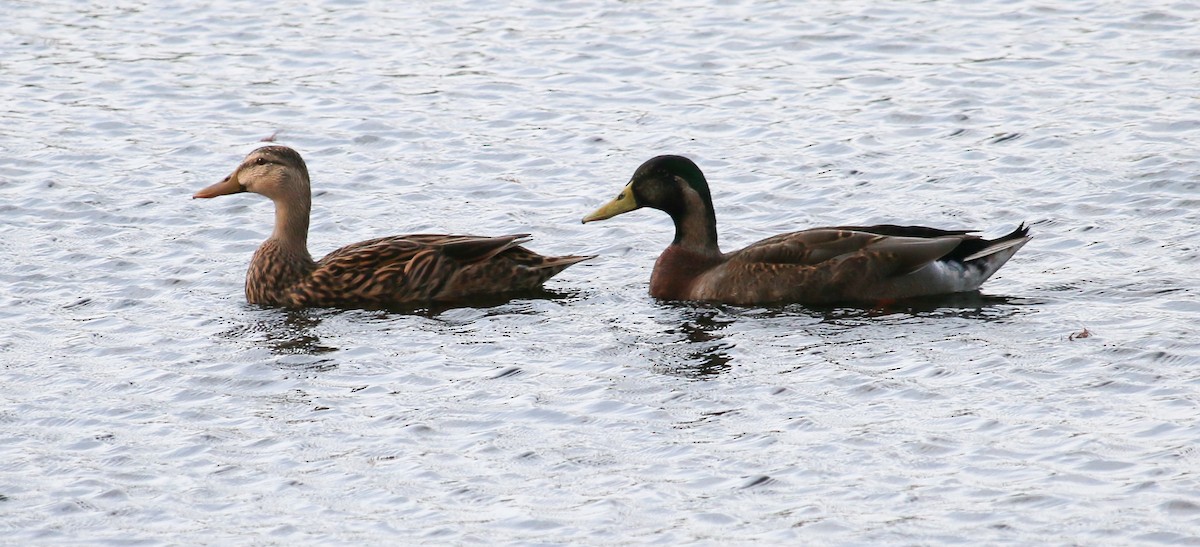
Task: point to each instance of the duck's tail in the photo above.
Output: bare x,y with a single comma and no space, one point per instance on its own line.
985,256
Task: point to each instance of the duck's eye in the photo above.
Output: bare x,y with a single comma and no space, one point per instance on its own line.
260,161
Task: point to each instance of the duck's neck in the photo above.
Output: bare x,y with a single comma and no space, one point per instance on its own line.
696,226
283,260
291,224
693,252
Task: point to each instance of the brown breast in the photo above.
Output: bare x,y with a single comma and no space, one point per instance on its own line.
676,272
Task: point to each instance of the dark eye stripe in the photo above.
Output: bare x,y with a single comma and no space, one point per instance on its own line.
264,161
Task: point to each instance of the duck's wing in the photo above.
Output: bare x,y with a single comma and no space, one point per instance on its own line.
423,268
884,250
382,271
859,263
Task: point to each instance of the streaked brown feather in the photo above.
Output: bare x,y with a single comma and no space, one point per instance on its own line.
382,272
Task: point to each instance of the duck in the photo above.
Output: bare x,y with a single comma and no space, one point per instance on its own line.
385,272
826,265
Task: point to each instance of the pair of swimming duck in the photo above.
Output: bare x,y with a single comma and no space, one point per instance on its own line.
815,266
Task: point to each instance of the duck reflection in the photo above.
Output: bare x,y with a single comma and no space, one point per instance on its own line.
286,332
519,302
698,347
295,334
701,351
967,305
295,331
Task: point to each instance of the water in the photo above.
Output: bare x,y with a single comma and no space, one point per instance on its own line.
143,402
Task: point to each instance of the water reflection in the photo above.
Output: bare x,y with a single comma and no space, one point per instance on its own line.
697,345
476,318
968,305
296,332
503,304
285,332
701,351
498,304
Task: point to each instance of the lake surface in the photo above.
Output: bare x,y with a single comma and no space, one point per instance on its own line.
142,401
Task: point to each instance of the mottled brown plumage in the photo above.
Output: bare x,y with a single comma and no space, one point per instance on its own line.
382,272
816,266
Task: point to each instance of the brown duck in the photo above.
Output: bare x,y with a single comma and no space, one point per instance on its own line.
815,266
383,272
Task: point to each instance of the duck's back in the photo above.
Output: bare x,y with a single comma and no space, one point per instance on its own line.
855,263
424,268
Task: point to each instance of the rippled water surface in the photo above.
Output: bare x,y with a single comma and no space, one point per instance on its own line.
143,401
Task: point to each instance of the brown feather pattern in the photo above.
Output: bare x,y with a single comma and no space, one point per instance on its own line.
381,272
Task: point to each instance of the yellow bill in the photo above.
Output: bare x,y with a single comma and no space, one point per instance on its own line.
623,203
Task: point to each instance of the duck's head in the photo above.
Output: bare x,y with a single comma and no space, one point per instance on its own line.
277,172
672,184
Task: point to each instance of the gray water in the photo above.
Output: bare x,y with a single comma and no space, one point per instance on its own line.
144,402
